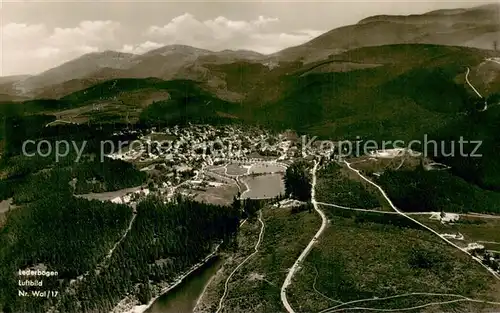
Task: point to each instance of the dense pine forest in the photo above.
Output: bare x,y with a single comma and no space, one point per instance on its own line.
59,233
29,178
72,236
298,181
49,228
165,240
421,190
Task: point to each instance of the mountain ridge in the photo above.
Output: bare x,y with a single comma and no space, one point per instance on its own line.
477,27
401,91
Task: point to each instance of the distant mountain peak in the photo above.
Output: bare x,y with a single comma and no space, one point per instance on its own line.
108,53
476,27
445,12
177,48
488,8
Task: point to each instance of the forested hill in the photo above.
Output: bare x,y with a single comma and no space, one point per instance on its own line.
391,92
72,236
50,228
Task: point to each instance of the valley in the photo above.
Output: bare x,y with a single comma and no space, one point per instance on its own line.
353,170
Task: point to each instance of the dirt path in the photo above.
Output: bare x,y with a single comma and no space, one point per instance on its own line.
112,250
256,248
496,275
354,209
342,307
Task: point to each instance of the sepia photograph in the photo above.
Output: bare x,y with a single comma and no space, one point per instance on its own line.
249,156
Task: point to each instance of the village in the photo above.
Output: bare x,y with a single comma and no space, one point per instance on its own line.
218,164
209,163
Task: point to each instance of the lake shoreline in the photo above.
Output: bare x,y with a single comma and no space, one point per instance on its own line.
130,303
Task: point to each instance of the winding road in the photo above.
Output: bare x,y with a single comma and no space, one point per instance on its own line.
306,251
256,248
493,60
495,274
468,82
345,306
475,90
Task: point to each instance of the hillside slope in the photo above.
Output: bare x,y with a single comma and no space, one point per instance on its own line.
168,62
476,27
411,86
78,68
414,91
393,92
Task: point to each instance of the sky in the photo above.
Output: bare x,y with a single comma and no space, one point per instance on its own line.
38,35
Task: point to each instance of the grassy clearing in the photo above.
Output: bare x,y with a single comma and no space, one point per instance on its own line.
474,229
336,187
218,170
361,256
222,195
236,169
256,285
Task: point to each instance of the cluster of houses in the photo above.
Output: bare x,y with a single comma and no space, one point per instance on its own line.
178,155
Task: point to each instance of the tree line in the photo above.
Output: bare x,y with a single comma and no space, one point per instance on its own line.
421,190
72,236
165,241
297,181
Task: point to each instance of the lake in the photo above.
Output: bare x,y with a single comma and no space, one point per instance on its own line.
267,168
264,186
183,298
